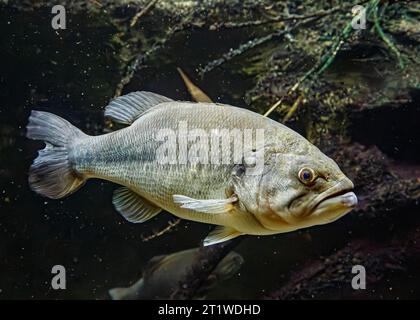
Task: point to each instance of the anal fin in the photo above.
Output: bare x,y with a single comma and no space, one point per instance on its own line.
220,234
132,206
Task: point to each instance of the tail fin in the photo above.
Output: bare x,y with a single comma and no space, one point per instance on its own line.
119,294
134,292
51,173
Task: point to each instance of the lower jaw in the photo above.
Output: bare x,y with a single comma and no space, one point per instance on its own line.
328,217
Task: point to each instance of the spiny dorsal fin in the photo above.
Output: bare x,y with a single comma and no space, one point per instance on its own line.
132,206
126,109
220,234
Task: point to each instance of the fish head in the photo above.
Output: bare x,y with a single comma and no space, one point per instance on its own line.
297,190
225,270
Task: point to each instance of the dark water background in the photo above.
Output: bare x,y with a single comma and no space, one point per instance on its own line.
72,74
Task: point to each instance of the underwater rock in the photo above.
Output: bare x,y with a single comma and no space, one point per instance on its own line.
332,276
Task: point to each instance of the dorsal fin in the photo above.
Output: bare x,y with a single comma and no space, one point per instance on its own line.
126,109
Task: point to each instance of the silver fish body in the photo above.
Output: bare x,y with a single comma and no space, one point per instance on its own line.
220,194
128,157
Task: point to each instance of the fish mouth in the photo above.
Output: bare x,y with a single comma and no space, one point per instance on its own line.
345,198
336,201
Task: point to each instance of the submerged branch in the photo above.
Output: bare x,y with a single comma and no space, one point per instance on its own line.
136,63
171,225
196,93
255,43
293,109
385,38
316,70
142,12
280,18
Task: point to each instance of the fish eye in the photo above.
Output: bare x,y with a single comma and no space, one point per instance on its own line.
307,175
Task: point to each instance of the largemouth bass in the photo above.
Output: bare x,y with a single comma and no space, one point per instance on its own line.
159,162
162,275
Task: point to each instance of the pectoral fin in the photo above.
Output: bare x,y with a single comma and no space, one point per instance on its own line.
207,206
220,234
132,206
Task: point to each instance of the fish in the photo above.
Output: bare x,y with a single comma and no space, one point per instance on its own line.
162,275
279,183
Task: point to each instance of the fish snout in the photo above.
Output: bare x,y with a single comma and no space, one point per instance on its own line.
336,200
349,199
344,183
